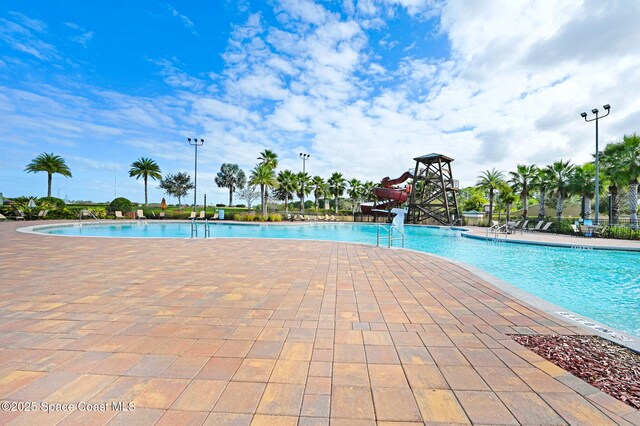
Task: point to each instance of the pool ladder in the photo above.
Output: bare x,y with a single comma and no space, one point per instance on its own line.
194,229
389,237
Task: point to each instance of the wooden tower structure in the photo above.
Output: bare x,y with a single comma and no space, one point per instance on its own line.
433,198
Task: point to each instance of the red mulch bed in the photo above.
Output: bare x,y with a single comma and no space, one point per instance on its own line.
611,368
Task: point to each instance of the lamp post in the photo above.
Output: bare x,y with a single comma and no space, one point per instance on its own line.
196,143
595,111
304,157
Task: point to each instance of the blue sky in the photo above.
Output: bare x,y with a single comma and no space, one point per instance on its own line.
363,86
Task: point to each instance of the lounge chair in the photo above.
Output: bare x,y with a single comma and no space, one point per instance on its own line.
192,215
575,230
214,217
511,227
119,215
545,228
538,226
327,218
140,214
303,217
523,226
42,214
201,216
19,215
592,230
162,215
333,218
2,217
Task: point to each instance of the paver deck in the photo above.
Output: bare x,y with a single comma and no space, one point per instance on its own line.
238,331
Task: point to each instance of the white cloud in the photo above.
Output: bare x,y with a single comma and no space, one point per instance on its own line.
24,34
510,92
188,24
84,37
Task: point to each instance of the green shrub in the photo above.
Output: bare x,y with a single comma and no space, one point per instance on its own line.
221,205
274,217
50,203
121,204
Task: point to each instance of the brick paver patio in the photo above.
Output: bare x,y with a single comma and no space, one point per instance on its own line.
272,332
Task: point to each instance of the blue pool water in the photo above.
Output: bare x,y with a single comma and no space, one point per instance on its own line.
599,284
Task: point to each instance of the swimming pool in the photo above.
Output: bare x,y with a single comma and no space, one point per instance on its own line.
600,284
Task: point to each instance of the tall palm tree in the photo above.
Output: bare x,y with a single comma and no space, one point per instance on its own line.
264,176
627,157
145,168
269,158
560,173
303,183
51,164
506,198
230,176
489,181
318,188
543,181
286,187
355,192
582,182
337,184
615,178
367,190
523,180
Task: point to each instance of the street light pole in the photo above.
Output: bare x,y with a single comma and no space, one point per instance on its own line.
304,157
194,142
595,111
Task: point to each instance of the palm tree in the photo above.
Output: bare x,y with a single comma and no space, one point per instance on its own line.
560,174
264,176
337,184
490,181
318,188
303,182
542,184
146,168
51,164
367,190
627,158
506,197
230,176
269,158
582,182
286,187
615,178
523,180
355,192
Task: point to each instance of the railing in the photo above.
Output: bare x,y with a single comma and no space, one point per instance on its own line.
194,228
389,237
88,213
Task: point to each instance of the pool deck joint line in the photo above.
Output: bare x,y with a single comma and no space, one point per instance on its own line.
251,331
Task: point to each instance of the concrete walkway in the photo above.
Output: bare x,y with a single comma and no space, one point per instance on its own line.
269,332
568,240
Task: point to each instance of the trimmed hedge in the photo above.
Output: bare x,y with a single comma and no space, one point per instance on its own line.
121,204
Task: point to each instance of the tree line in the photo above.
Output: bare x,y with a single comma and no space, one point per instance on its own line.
619,169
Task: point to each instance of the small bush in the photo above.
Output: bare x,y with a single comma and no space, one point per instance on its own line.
120,204
274,217
244,217
221,205
51,203
241,206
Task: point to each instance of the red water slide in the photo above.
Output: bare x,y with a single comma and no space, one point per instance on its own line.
390,193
